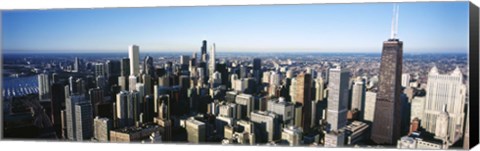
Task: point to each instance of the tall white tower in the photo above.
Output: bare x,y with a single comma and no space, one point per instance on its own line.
133,55
212,60
449,90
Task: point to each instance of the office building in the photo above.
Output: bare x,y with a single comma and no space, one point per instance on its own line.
133,55
133,134
418,107
43,86
284,109
70,110
387,119
125,67
83,121
293,135
267,124
405,80
356,132
102,127
337,98
319,89
196,130
449,90
245,104
358,95
303,96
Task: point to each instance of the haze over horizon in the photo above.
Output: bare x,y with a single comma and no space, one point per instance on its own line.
335,28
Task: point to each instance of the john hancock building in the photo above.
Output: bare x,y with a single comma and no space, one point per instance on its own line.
319,75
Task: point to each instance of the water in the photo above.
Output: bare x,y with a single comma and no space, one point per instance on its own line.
20,86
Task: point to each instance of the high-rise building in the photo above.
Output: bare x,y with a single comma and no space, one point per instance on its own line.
83,121
319,89
76,65
184,60
96,97
257,69
283,108
405,80
121,108
418,107
204,47
303,96
387,118
102,127
132,82
267,124
125,67
133,55
211,67
293,135
370,101
337,98
245,104
148,67
43,86
99,69
196,130
58,98
358,96
449,90
70,110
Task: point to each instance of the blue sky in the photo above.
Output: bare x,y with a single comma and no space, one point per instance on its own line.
423,27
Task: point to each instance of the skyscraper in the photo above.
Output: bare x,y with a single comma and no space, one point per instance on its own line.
76,65
58,98
148,67
319,89
449,90
387,119
133,55
70,103
83,121
99,69
303,96
358,96
102,127
405,80
204,51
96,97
211,66
125,67
337,98
43,86
121,108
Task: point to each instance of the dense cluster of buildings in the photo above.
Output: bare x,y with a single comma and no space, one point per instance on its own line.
204,99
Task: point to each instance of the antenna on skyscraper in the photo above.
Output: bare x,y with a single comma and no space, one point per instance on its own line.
394,30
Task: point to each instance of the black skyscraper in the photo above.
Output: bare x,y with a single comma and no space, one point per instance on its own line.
387,119
386,122
125,65
204,47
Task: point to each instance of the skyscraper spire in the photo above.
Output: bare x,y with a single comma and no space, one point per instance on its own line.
394,29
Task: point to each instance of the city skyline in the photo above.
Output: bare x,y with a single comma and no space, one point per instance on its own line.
266,28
